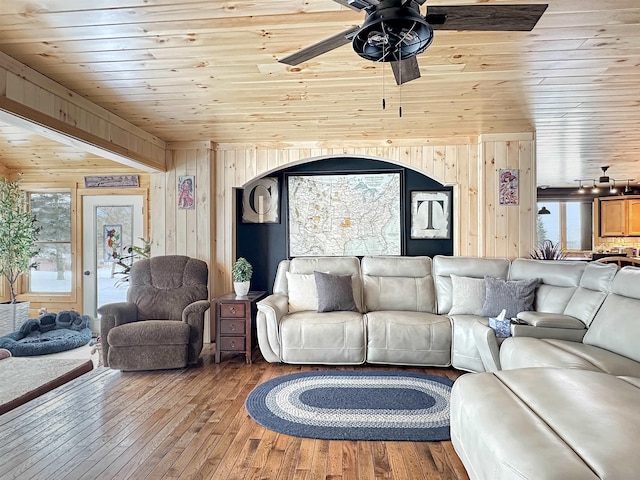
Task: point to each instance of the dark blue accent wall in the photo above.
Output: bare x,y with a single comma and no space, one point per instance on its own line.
264,245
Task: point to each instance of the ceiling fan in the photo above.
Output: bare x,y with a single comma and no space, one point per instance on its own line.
395,31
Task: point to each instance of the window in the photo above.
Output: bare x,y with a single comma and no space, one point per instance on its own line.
569,223
53,215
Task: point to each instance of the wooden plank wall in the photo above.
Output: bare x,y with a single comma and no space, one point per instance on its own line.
482,228
175,231
509,231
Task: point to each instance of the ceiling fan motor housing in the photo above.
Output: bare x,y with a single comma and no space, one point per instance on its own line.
392,32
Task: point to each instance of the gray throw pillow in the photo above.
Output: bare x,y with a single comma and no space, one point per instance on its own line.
335,292
514,296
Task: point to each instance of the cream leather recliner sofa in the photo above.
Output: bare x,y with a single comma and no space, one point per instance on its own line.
395,320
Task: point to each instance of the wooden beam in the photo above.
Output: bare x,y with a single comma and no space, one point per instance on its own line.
13,113
31,101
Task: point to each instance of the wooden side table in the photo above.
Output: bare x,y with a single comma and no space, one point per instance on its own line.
236,324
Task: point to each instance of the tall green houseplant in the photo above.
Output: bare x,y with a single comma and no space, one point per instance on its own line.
18,234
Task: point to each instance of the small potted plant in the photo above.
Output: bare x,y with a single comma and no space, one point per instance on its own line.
241,272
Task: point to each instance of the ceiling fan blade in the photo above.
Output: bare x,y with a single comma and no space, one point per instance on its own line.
405,70
358,5
486,17
319,48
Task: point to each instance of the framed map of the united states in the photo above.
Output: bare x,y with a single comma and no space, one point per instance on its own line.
344,214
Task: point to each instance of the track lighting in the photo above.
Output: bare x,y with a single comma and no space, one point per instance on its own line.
605,181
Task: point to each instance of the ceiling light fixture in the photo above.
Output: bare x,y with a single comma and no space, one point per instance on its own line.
544,211
605,181
393,32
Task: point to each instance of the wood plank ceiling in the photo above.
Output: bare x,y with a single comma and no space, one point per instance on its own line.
207,70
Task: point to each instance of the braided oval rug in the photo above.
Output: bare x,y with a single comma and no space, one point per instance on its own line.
354,405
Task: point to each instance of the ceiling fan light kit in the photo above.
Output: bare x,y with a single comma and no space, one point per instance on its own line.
392,33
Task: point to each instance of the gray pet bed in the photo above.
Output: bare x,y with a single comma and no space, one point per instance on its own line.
51,333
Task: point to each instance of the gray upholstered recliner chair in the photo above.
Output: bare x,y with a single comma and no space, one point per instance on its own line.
161,324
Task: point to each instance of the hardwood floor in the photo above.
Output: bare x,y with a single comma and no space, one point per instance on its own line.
192,424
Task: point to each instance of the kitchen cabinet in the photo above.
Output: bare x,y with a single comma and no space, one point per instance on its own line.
613,218
633,217
620,217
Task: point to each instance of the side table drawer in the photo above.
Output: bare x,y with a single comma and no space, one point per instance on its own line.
232,310
233,327
230,344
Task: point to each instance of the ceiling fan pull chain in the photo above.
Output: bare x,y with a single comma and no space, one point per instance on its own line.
400,86
384,102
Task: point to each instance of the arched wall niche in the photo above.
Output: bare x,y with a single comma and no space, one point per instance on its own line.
265,244
336,156
468,164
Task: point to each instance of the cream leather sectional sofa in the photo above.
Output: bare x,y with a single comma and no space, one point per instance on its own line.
406,311
558,409
556,400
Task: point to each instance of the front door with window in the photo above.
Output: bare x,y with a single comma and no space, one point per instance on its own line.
111,223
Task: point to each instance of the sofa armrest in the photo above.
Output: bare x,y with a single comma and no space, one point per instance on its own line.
274,307
570,334
488,346
549,325
193,314
112,315
270,311
551,320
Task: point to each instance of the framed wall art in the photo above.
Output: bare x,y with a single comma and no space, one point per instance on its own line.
508,186
261,201
186,192
430,215
111,181
345,214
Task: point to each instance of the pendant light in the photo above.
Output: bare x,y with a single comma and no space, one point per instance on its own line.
544,211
